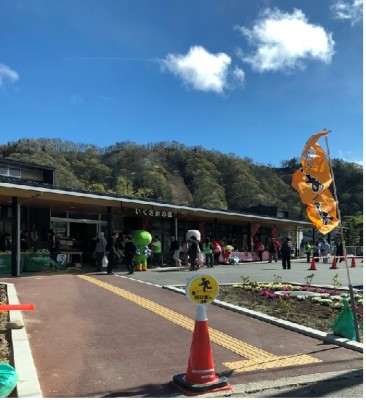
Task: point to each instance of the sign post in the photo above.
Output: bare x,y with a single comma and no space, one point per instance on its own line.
200,376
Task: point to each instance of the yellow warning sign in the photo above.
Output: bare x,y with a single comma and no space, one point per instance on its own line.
202,289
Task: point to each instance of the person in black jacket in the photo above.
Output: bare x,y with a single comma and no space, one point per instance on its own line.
175,252
193,251
286,253
339,250
111,248
130,251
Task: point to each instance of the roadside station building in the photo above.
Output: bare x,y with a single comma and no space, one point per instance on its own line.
31,203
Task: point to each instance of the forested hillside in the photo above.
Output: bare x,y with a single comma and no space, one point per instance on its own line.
179,174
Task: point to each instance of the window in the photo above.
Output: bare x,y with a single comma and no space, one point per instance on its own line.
10,171
14,172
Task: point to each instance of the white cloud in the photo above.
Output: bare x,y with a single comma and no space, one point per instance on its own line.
239,75
7,74
348,157
203,70
348,10
285,41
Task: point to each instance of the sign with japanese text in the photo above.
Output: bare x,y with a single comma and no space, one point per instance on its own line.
202,289
153,213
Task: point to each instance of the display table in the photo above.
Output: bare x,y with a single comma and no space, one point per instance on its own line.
69,255
246,256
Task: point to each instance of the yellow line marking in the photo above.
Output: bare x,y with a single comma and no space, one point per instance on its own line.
255,358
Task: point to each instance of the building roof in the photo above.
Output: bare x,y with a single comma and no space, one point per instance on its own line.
39,194
16,163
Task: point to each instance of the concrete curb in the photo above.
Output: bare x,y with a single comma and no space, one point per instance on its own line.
325,337
28,384
245,390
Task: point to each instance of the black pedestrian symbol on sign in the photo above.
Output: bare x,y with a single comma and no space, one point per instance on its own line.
205,282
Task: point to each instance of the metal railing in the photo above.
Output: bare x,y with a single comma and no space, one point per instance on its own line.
356,251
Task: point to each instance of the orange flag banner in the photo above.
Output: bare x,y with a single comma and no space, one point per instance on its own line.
312,182
314,161
308,186
322,212
311,142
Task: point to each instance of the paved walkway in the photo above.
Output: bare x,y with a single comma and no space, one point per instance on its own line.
101,335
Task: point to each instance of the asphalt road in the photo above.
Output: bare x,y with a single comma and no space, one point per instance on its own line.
99,335
262,272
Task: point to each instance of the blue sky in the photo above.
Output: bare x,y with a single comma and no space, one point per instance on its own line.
255,78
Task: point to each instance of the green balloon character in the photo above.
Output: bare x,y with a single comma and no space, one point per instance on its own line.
142,239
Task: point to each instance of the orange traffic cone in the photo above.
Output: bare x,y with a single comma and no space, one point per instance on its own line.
313,265
334,263
200,376
353,264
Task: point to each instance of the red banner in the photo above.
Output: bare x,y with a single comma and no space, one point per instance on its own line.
254,230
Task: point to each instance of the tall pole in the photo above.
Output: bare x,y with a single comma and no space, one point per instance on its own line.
15,246
353,303
176,228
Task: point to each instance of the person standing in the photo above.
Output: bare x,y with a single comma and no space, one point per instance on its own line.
308,248
101,244
259,247
24,241
54,249
120,246
324,251
207,249
193,253
111,248
156,251
339,250
286,250
216,251
175,250
185,249
130,251
223,242
272,248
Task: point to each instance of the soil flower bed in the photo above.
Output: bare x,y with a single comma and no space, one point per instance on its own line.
318,310
4,335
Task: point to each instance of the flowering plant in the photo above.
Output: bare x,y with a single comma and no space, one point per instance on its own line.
329,297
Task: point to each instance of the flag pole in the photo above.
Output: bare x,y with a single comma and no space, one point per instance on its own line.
353,303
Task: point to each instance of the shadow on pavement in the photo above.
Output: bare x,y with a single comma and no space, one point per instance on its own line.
326,387
164,390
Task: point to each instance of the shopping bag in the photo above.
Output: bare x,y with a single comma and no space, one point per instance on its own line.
343,325
105,262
